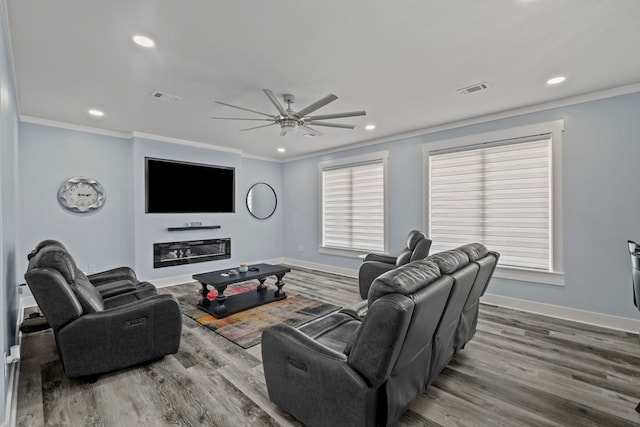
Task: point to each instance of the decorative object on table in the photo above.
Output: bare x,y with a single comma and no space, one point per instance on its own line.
81,194
261,200
245,328
290,121
243,268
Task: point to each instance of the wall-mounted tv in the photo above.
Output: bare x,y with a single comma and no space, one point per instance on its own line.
182,187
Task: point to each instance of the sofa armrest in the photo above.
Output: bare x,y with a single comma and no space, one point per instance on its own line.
120,337
358,311
388,259
314,382
369,271
115,274
110,289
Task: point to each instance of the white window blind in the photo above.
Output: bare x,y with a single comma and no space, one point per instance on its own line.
497,195
353,207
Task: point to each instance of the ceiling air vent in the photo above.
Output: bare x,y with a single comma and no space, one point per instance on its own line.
165,96
473,88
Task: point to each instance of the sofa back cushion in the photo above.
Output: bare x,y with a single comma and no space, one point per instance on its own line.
456,264
394,342
406,280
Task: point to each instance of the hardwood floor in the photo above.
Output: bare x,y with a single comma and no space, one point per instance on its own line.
520,369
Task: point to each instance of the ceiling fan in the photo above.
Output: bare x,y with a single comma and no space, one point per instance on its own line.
290,120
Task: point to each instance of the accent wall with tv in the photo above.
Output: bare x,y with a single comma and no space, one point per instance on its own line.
182,187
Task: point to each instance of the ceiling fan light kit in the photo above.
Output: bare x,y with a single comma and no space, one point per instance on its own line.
290,121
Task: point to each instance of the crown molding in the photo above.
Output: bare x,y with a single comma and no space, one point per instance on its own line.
180,141
71,126
573,100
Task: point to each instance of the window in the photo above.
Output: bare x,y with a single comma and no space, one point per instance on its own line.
499,192
353,205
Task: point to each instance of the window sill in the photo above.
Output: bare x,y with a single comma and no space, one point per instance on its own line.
350,253
541,277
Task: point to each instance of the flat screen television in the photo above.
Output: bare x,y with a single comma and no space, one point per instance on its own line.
182,187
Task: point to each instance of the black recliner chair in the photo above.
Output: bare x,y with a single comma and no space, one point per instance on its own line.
375,264
94,334
634,251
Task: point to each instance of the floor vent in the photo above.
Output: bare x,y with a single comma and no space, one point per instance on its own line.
165,96
473,88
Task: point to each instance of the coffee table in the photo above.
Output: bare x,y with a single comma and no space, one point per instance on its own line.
223,305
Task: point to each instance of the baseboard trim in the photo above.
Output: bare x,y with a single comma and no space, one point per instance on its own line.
566,313
11,403
321,267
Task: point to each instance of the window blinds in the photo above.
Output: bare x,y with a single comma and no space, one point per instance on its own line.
499,196
353,207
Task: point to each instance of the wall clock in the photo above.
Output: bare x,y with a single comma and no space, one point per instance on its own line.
82,195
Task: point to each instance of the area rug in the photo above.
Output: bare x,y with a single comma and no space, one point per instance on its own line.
245,328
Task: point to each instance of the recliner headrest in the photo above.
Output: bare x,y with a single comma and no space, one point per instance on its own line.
450,261
414,237
57,258
42,244
406,279
474,251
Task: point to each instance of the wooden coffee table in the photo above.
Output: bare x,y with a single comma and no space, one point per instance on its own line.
224,305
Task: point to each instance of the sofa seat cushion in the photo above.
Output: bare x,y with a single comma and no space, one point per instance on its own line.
334,331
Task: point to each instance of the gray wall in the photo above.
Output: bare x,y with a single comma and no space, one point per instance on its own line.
600,196
120,233
9,222
48,156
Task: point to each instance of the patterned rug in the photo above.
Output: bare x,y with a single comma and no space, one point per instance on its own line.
245,328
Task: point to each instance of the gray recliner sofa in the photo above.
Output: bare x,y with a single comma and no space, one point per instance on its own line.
349,370
95,335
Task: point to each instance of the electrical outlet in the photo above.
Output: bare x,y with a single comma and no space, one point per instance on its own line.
92,268
300,248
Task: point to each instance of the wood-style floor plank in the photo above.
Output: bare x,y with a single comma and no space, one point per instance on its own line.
521,369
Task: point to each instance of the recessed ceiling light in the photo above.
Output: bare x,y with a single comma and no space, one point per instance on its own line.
144,41
556,80
96,113
281,150
370,127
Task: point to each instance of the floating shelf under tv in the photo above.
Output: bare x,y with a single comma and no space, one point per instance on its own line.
194,227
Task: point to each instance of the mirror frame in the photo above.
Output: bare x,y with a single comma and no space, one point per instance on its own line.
275,197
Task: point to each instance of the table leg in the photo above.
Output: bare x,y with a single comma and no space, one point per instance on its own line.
220,300
204,301
279,284
261,286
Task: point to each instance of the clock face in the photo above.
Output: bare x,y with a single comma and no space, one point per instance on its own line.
81,195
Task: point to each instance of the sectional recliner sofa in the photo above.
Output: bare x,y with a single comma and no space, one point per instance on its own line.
353,370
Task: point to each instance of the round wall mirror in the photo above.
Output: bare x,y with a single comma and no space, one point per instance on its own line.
261,200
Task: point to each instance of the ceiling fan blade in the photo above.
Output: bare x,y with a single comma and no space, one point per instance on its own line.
257,127
318,104
311,130
238,118
275,102
337,115
245,109
331,125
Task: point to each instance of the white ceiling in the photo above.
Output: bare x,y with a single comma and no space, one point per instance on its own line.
401,61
